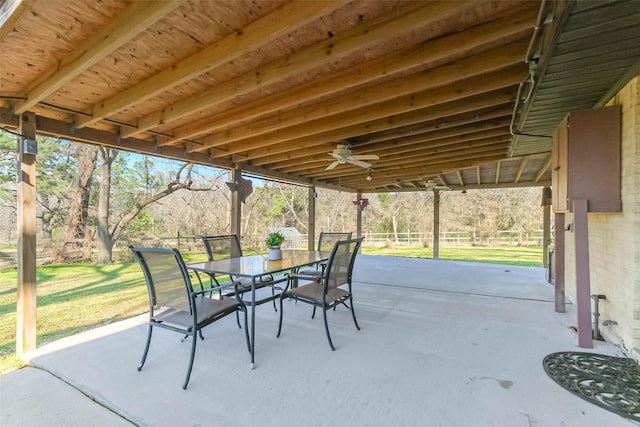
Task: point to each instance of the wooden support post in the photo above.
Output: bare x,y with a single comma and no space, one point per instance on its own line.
311,222
583,281
546,226
559,261
236,205
436,224
359,217
546,234
26,303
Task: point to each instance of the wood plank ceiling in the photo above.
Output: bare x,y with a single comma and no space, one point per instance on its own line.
272,86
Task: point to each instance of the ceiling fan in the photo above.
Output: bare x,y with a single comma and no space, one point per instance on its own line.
343,155
431,185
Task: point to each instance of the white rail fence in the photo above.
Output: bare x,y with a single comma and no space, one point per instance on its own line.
447,238
192,244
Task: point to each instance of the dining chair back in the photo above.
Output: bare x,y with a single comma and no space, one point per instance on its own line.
226,246
334,288
222,246
326,242
328,239
173,303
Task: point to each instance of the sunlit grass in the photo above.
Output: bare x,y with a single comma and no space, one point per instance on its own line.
512,255
76,297
72,298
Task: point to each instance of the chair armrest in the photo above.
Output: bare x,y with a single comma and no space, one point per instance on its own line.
301,276
294,278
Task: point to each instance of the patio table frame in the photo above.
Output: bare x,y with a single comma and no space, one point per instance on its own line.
256,266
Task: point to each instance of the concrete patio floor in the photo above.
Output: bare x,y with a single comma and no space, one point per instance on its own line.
442,343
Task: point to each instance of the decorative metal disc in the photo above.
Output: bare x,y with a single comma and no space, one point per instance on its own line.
613,383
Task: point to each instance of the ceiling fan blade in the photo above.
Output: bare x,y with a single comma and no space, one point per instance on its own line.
365,157
332,165
335,156
358,163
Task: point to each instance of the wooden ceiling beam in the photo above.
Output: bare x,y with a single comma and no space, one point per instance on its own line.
408,154
134,20
318,169
422,159
428,52
260,32
10,13
544,168
435,139
66,130
521,168
385,112
468,67
275,153
420,172
480,118
371,187
419,161
396,23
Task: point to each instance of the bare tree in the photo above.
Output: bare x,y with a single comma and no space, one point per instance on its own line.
86,156
108,236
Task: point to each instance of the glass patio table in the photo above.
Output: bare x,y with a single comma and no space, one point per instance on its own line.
256,266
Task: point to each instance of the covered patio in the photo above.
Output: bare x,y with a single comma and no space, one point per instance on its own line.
433,95
448,344
440,95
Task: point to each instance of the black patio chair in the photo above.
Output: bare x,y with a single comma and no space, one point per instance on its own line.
228,246
326,241
173,303
334,287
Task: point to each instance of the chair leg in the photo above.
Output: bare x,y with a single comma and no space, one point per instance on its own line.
201,336
353,313
314,312
273,294
194,341
146,347
326,328
280,322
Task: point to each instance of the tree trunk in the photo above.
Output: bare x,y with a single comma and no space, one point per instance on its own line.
79,196
395,229
47,226
105,241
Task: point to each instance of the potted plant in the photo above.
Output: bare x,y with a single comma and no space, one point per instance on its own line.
273,242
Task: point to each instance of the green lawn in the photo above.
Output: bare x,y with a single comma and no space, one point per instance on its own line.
76,297
511,255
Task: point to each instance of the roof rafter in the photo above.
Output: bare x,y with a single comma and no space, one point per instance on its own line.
254,35
474,66
430,51
543,169
395,23
10,13
458,107
431,140
134,20
506,77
